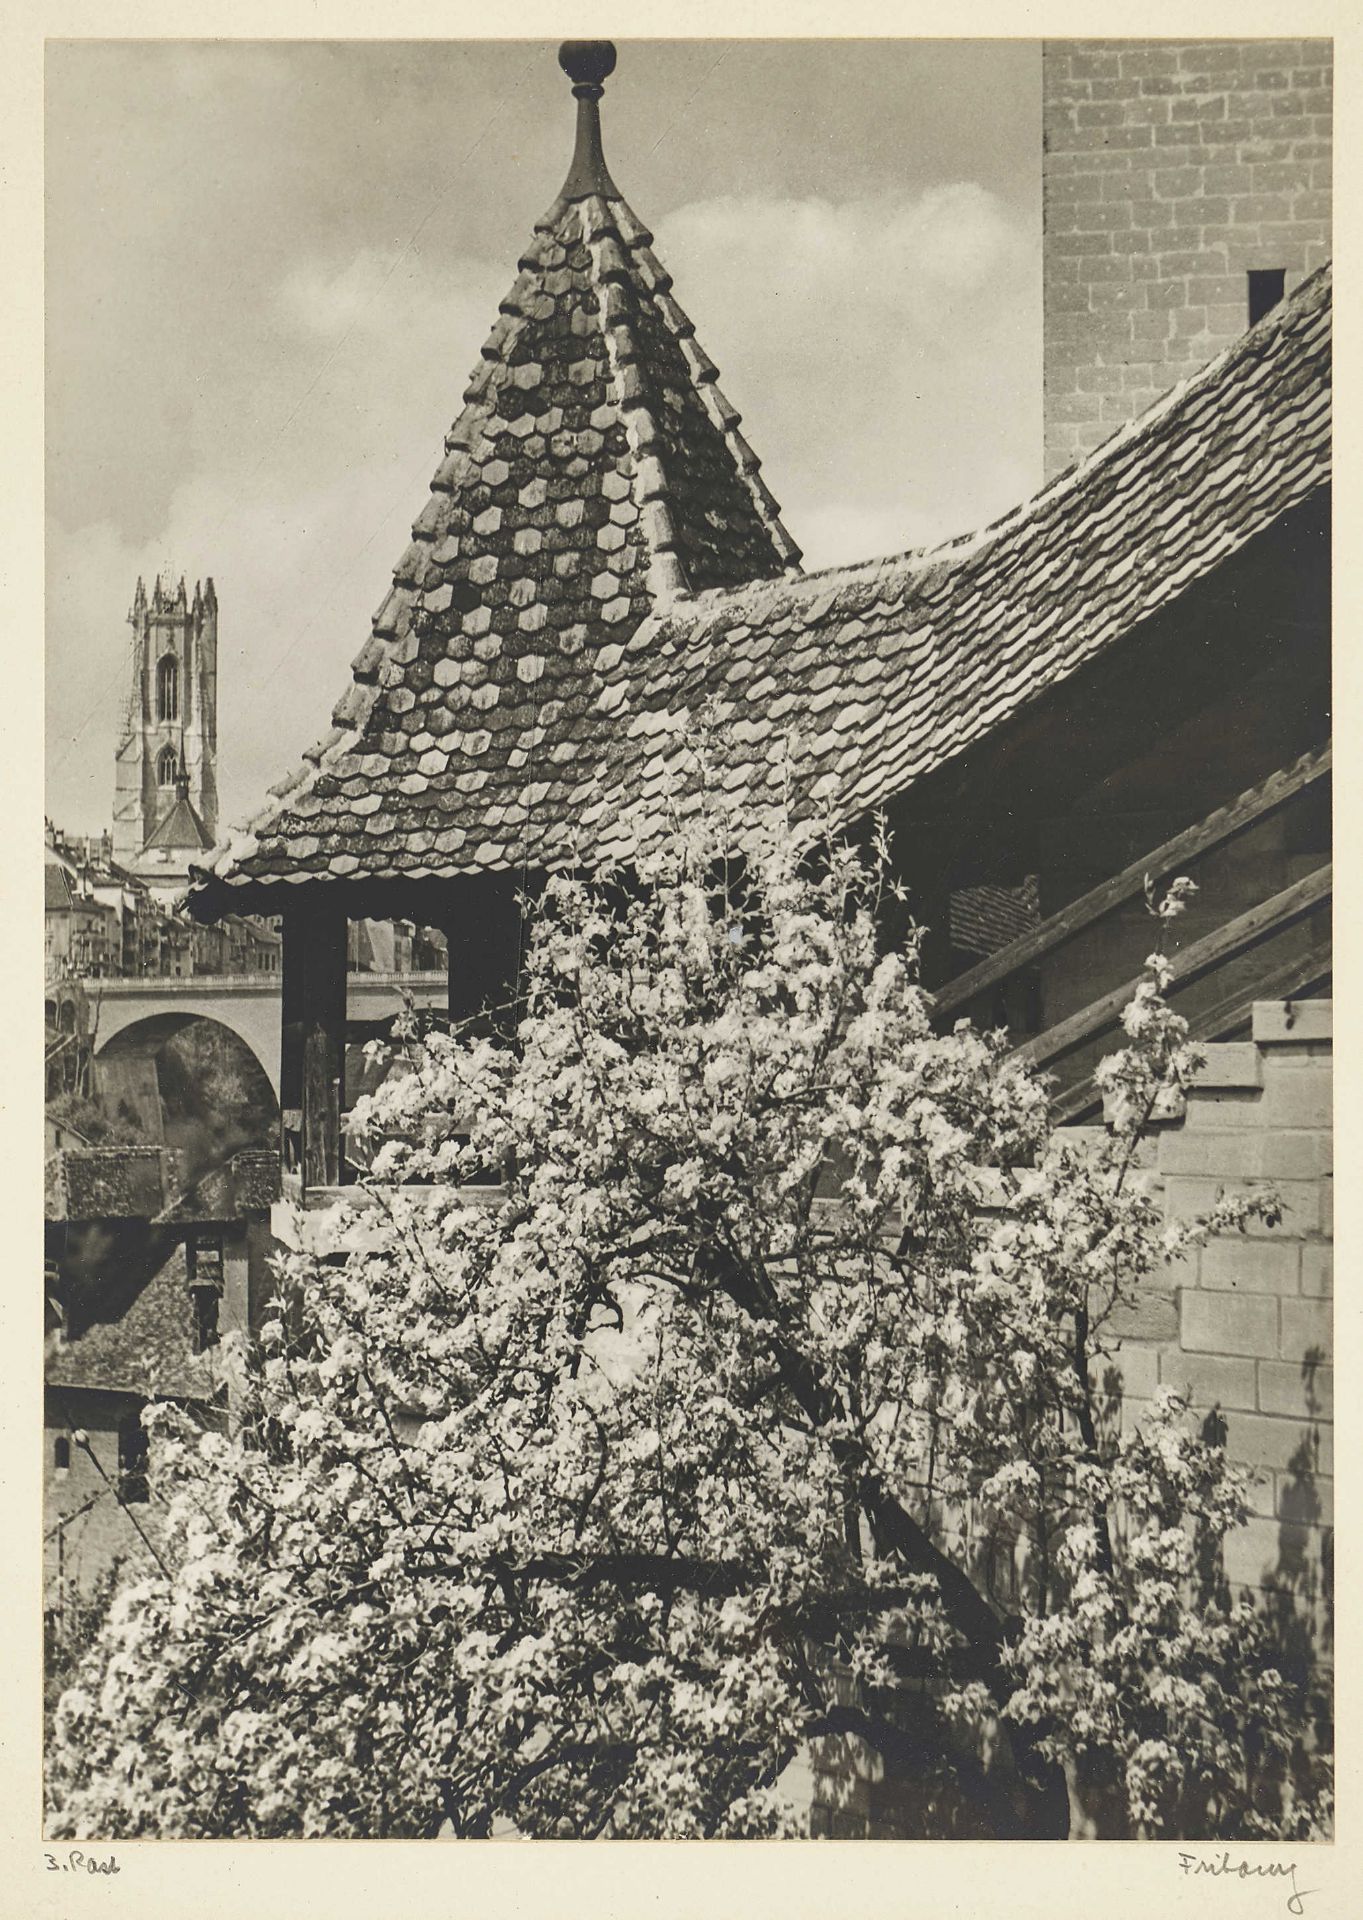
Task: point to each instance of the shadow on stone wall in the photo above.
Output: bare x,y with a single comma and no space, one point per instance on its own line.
859,1794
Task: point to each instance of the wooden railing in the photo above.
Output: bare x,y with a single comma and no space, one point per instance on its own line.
1274,980
1247,930
1084,1100
1226,824
1257,928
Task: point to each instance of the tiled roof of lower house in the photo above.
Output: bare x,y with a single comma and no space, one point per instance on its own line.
147,1348
248,1183
57,896
852,684
983,919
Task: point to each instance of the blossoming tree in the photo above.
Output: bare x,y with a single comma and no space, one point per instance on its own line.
584,1503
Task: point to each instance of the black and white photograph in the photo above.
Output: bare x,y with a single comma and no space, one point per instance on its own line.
688,1001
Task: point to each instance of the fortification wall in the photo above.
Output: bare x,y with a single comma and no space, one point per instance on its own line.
1172,170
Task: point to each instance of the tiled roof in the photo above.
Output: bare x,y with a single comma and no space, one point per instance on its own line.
148,1348
57,896
983,919
477,746
181,827
248,1183
596,472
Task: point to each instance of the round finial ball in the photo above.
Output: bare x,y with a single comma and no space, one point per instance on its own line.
587,62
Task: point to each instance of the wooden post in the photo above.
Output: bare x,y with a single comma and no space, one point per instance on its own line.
291,985
314,1015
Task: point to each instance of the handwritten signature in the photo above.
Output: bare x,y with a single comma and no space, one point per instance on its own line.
81,1863
1227,1869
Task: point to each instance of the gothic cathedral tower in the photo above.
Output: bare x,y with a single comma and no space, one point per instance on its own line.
166,773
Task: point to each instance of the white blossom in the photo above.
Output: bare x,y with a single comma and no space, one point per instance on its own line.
587,1511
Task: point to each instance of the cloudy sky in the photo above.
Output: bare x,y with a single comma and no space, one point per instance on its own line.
271,268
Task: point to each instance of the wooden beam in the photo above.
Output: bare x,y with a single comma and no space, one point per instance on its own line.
1293,980
315,1009
1202,957
1219,827
292,1001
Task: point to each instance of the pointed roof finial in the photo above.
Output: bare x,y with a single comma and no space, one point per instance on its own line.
587,64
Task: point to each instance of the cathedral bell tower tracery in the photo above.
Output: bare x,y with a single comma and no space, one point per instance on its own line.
165,780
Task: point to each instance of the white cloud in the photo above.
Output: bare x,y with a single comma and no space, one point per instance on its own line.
392,294
878,347
895,253
328,299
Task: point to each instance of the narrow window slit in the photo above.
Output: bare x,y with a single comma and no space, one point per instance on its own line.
1266,289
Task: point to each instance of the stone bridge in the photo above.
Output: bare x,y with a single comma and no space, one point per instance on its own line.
134,1015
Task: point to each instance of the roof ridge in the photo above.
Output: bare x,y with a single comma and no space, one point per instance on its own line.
705,377
119,1150
627,274
667,572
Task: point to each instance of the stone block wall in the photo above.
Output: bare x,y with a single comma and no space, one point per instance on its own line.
1171,170
1244,1326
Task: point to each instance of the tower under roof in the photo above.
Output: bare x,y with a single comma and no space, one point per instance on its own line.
596,474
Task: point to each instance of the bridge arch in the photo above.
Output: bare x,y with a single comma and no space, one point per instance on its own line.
126,1028
190,1083
248,1005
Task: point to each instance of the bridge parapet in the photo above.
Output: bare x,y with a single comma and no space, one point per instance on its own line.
248,1004
179,986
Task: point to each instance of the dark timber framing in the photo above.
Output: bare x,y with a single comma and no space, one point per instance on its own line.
1237,936
312,1068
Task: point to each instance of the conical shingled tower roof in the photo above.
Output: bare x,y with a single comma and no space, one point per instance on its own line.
595,474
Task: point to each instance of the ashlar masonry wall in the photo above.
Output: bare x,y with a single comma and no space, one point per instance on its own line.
1171,170
1243,1326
